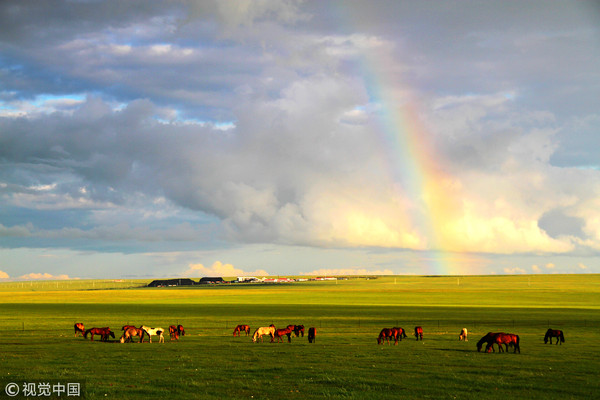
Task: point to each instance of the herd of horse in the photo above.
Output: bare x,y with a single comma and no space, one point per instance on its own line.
386,334
129,332
277,335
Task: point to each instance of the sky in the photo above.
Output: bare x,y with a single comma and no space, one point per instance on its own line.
143,139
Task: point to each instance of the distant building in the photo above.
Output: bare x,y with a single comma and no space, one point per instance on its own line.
171,282
206,280
242,279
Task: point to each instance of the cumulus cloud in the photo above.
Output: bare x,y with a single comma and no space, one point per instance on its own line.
298,132
536,269
348,271
3,275
44,276
220,269
514,271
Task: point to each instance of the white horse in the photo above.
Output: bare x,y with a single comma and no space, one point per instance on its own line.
265,330
155,331
463,335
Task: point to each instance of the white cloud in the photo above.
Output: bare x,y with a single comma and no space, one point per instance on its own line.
3,275
44,276
536,269
515,270
550,266
220,269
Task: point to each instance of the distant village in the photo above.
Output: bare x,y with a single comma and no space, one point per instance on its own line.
239,280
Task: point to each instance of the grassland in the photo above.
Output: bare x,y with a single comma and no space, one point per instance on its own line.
37,342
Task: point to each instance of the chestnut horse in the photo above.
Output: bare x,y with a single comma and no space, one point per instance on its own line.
384,336
554,333
241,328
176,331
130,332
298,329
265,330
125,327
103,332
397,334
312,333
79,328
463,335
489,338
507,339
280,333
418,332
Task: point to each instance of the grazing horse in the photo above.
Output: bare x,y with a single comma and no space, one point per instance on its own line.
312,332
418,332
176,331
280,333
463,335
489,338
507,339
265,330
397,334
125,327
154,331
384,336
79,328
130,332
241,328
103,332
297,329
554,333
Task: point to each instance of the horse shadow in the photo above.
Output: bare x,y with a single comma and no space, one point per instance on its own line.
456,350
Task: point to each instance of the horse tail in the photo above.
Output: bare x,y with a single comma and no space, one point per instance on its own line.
562,337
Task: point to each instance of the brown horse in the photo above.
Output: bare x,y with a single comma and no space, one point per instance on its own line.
385,335
488,338
176,331
280,333
125,327
463,335
130,333
297,329
79,328
241,328
507,339
312,333
418,332
398,334
265,330
554,333
103,332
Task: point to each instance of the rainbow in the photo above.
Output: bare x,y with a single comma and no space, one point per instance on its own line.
414,167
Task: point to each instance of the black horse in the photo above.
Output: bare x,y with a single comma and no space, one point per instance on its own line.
554,333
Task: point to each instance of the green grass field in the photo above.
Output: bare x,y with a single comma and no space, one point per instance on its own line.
37,341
